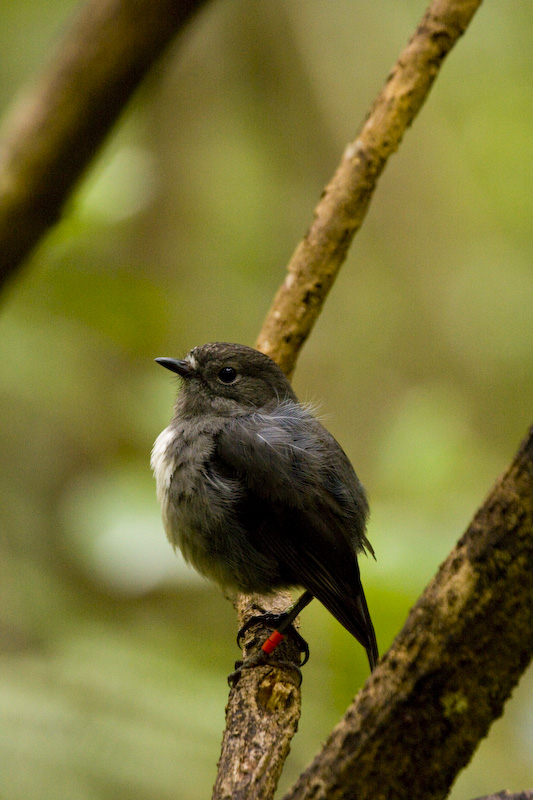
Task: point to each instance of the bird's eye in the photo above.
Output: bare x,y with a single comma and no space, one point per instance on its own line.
227,375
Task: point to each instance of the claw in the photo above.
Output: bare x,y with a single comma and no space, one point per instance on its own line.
282,625
233,677
276,621
268,619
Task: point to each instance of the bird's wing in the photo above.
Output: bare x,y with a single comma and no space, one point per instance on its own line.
303,505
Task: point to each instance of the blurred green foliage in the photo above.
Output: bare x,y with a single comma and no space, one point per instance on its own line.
113,654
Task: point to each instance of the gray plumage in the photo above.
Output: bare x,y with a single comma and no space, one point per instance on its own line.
255,492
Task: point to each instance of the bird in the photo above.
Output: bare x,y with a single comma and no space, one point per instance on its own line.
256,494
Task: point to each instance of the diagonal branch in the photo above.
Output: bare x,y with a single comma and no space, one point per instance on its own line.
55,130
422,713
345,200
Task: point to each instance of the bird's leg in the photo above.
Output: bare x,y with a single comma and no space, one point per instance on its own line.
283,626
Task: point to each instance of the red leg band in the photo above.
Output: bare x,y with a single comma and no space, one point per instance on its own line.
272,642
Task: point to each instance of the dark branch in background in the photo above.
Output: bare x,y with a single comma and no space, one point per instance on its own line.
466,642
54,132
297,305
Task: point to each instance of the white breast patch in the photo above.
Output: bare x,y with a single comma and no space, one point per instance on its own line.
162,462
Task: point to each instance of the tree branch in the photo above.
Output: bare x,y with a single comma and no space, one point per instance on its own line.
423,711
345,200
261,717
56,129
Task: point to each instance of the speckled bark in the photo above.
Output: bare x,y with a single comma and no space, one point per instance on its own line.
345,200
55,130
262,714
422,713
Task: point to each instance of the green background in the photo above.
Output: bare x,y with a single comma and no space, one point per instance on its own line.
114,655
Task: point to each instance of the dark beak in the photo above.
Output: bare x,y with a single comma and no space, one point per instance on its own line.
183,368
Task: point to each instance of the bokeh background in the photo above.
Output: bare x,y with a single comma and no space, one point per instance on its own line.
114,655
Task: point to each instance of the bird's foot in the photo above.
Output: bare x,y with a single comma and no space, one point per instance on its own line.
257,660
282,625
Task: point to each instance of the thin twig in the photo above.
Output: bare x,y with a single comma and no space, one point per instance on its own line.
345,200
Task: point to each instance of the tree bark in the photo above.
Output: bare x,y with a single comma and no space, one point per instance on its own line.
262,714
55,130
434,695
345,200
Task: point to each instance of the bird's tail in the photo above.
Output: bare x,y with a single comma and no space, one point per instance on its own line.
349,607
370,644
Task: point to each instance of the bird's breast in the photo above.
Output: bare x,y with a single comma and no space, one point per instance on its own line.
162,462
196,503
178,463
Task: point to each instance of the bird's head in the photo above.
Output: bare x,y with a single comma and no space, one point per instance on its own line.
227,380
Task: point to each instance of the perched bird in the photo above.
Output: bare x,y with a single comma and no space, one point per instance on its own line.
256,493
